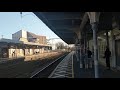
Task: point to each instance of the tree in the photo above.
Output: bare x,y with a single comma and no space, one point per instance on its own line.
59,45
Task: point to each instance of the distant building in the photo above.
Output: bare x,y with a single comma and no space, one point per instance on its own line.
36,38
20,36
26,36
23,43
9,47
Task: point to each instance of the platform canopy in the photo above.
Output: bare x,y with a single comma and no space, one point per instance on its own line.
65,24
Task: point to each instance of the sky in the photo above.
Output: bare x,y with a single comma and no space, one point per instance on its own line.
11,22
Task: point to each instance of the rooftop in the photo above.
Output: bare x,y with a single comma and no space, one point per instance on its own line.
14,41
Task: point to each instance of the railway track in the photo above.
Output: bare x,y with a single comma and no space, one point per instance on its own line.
24,69
47,70
65,68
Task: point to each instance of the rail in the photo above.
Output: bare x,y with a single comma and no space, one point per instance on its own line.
64,68
34,75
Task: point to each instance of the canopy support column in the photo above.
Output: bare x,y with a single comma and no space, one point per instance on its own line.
94,18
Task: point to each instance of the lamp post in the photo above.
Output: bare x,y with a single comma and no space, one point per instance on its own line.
21,14
2,36
25,14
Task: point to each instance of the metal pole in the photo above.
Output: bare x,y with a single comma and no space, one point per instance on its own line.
94,28
2,36
113,49
82,63
88,44
85,42
107,38
80,49
80,55
79,42
77,49
21,14
85,50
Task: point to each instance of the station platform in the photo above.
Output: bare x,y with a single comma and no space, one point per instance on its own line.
89,72
70,68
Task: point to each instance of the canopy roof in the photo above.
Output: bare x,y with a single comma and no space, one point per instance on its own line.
64,24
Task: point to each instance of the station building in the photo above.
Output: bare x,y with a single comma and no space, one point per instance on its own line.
23,43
